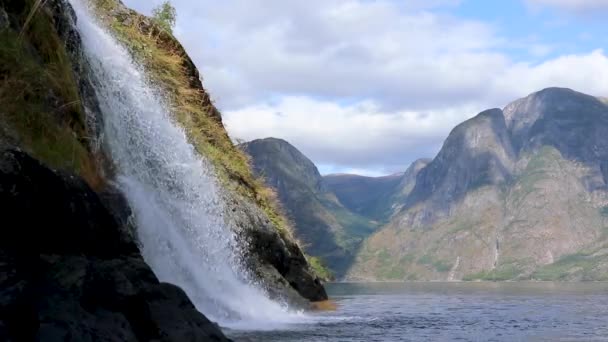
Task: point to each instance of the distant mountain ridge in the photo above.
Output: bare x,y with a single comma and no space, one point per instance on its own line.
514,193
518,193
367,196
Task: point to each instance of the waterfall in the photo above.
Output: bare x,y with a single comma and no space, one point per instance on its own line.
172,189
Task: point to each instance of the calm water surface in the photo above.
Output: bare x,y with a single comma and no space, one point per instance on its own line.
452,312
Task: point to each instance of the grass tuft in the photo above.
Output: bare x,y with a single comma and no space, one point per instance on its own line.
319,268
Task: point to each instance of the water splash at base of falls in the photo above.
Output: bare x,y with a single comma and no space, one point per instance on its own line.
171,189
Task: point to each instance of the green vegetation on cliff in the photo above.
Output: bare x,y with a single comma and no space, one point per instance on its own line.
318,266
41,107
165,16
506,272
170,69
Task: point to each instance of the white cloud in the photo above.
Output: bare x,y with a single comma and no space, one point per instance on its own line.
364,136
253,49
587,73
362,84
359,135
579,6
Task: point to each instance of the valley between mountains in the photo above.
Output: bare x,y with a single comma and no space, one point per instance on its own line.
518,193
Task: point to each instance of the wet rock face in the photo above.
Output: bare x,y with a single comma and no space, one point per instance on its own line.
4,23
65,24
289,262
277,263
70,270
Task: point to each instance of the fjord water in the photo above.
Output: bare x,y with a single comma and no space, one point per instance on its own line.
176,202
455,312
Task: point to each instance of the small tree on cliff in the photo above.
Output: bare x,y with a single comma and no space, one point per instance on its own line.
165,16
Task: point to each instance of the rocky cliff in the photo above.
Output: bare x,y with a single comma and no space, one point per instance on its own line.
518,193
49,111
70,268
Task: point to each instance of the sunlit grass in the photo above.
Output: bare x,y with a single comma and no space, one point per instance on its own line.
170,69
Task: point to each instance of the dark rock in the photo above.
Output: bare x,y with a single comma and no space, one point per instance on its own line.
276,262
289,261
4,23
118,206
59,214
69,270
408,180
64,20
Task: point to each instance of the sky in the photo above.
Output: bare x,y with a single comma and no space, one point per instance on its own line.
369,86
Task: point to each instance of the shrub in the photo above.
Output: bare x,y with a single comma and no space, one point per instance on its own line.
165,16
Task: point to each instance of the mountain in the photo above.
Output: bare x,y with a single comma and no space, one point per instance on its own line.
367,196
377,198
326,227
518,193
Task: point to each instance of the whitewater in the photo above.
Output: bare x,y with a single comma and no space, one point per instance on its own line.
172,190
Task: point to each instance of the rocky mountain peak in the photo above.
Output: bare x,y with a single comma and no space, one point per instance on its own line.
558,117
522,112
280,156
477,152
408,180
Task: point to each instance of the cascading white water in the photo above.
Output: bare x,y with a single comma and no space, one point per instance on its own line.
172,190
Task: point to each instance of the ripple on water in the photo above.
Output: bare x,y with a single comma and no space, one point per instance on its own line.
453,312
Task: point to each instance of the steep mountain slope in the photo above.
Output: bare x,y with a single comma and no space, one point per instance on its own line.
408,182
326,228
513,194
